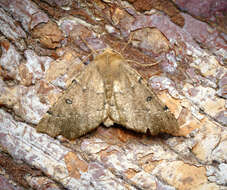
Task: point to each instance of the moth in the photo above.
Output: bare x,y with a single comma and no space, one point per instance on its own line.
107,91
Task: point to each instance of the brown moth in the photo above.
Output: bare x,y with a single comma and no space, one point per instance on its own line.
108,91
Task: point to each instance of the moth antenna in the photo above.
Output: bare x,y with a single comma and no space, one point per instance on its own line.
130,39
91,48
144,65
84,60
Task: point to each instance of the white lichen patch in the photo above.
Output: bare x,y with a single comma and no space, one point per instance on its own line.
37,65
206,99
10,60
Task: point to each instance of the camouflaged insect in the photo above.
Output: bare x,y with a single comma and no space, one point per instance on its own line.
108,91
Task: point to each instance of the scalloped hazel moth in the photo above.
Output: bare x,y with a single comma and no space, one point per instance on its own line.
107,91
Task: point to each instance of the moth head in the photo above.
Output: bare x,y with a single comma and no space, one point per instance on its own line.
109,57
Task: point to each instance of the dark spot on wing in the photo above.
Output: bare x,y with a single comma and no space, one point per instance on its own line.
149,98
165,108
68,101
201,110
86,62
49,112
74,81
140,80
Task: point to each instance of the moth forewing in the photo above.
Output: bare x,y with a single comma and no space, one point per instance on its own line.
108,91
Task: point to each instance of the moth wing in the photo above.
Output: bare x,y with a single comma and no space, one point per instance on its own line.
79,110
138,108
